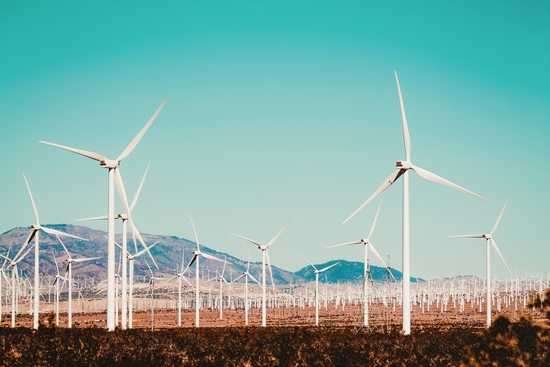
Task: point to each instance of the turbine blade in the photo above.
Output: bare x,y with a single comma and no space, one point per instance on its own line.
494,244
440,180
309,262
328,267
499,217
122,192
89,259
387,183
278,234
356,242
138,137
254,279
270,270
91,155
32,200
136,196
27,241
212,257
467,236
377,254
144,245
248,239
145,249
190,263
55,232
239,277
375,219
62,244
102,217
406,137
195,232
188,282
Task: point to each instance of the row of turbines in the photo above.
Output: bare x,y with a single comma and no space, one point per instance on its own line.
461,294
115,180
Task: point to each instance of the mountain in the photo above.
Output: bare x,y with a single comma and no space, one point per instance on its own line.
348,271
167,254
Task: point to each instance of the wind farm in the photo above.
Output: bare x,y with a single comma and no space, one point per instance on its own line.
243,210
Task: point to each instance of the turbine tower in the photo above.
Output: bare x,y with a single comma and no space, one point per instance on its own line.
403,168
114,176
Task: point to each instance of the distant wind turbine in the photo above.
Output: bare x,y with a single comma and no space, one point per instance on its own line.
366,244
317,272
265,255
490,242
195,259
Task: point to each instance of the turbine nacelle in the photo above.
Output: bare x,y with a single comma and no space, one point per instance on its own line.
487,236
36,227
404,164
109,163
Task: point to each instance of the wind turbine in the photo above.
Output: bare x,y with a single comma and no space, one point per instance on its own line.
56,283
265,255
114,176
124,217
246,275
14,275
131,259
35,229
180,276
366,244
70,260
317,272
221,279
489,242
403,168
195,259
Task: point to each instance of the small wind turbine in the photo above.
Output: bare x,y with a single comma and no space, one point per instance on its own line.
70,260
221,279
56,283
366,244
317,272
403,168
180,276
246,275
265,255
114,175
14,275
196,255
490,242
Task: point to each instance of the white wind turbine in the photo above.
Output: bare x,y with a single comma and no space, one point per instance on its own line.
402,170
131,259
180,276
366,244
70,260
114,175
221,279
124,217
14,275
317,272
35,229
489,242
246,275
265,255
58,277
3,274
195,259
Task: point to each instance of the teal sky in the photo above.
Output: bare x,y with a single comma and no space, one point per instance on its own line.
281,110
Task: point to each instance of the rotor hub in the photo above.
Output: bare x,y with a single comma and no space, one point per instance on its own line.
403,164
108,163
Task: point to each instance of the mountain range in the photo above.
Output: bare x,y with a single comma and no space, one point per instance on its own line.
168,256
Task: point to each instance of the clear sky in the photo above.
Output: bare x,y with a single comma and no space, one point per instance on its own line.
286,109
